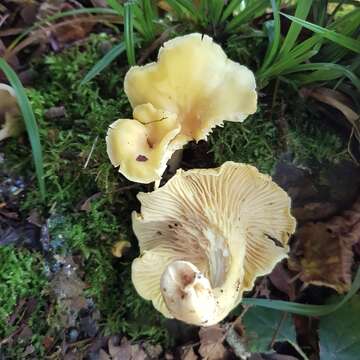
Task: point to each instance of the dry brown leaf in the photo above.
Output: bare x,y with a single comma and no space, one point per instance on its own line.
281,279
323,251
335,99
211,343
189,354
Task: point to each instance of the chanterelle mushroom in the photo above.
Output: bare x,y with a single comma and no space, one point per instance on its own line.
141,148
204,238
10,120
193,79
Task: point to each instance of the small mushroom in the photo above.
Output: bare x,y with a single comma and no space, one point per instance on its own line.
142,147
10,119
205,236
195,80
120,248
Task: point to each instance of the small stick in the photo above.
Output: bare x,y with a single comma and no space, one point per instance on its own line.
91,151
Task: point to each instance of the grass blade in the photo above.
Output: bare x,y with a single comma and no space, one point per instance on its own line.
150,17
30,123
302,11
116,6
324,72
230,9
129,33
305,309
342,40
190,7
106,60
274,44
180,11
252,10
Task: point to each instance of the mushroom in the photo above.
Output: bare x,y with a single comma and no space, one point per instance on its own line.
193,79
141,147
205,236
12,124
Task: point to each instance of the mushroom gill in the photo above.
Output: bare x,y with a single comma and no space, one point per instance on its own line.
205,236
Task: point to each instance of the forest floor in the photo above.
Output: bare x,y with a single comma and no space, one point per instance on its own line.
63,293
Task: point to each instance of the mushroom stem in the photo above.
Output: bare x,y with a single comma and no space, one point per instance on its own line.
175,161
189,296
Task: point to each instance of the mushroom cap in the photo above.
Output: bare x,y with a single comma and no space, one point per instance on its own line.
194,79
9,113
196,85
141,147
231,224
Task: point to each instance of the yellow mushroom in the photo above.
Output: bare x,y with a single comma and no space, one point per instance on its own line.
142,147
205,237
10,119
194,80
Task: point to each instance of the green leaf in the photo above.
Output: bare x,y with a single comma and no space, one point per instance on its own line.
339,332
105,61
30,123
305,309
302,11
129,33
261,325
342,40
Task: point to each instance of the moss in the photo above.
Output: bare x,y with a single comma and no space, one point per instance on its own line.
91,235
313,140
67,143
21,277
253,142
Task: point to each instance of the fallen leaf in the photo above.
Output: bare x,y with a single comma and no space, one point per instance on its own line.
264,327
323,251
337,100
339,333
188,354
55,112
122,351
86,205
236,342
69,291
318,192
281,279
211,343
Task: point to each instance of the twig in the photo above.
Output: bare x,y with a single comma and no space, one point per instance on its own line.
91,151
157,43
